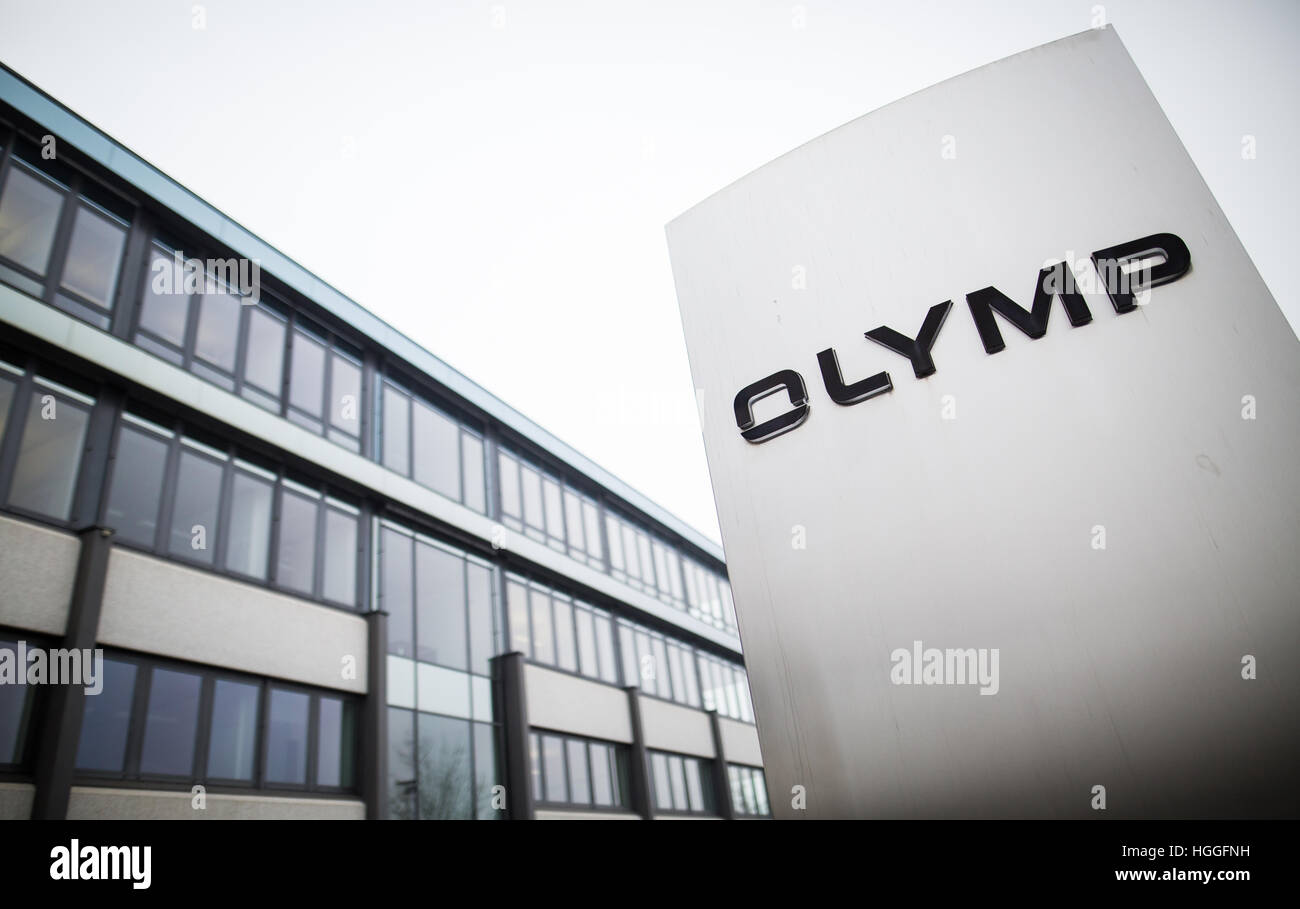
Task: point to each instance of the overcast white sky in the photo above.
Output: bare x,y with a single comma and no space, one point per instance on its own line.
493,176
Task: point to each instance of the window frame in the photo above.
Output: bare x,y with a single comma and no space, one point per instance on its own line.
131,776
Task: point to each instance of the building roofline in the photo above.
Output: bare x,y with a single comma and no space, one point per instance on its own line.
115,157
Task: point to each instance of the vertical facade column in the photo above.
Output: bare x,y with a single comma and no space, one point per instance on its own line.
374,719
638,772
60,728
510,703
721,785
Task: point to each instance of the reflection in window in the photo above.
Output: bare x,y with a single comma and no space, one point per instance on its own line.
49,458
248,536
196,507
482,631
217,335
681,784
572,771
107,719
397,590
15,704
517,602
437,455
232,749
345,395
286,737
397,431
307,376
557,785
440,607
445,778
472,463
29,214
94,259
264,353
340,583
579,777
296,552
748,791
135,489
7,388
170,723
485,772
439,767
335,750
508,470
165,302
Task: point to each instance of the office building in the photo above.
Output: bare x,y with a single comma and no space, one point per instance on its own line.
330,576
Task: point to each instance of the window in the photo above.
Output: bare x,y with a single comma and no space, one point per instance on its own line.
440,602
248,533
198,725
164,305
170,722
232,748
335,760
230,513
15,710
341,553
725,688
397,430
681,784
9,376
436,441
49,454
296,549
573,771
345,400
473,482
93,263
397,589
307,380
325,393
566,650
748,791
107,720
549,627
709,596
135,490
264,357
555,778
286,737
439,767
37,218
217,336
197,502
440,620
422,441
30,203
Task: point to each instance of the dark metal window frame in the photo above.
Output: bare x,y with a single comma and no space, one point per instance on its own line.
33,709
738,806
529,585
75,189
412,786
392,377
328,496
209,675
710,797
619,774
15,427
466,557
